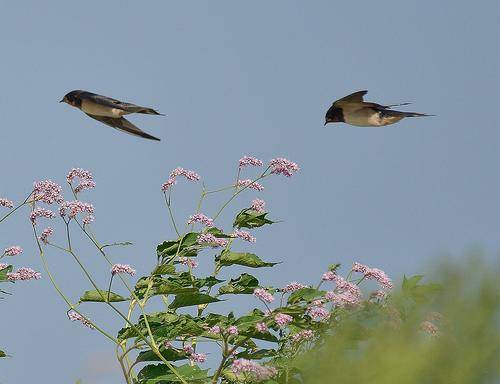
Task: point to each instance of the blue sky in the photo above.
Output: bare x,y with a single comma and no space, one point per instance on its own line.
238,78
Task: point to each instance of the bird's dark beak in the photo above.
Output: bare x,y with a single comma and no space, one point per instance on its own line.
61,101
326,122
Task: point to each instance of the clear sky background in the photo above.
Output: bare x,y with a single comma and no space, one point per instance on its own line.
238,78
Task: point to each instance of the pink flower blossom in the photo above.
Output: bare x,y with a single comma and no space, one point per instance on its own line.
46,233
379,276
41,212
342,299
283,319
306,334
216,330
167,344
188,261
430,328
292,287
167,184
328,276
343,285
198,357
357,267
258,205
232,330
261,327
75,316
13,251
379,294
209,239
318,312
86,179
262,294
250,184
75,207
3,266
47,191
6,203
190,175
282,166
201,218
250,160
188,349
122,268
24,274
244,235
260,372
88,219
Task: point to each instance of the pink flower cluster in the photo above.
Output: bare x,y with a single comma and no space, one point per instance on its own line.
6,203
260,372
86,179
46,233
247,183
188,261
318,311
261,327
13,251
250,160
202,219
41,212
75,316
24,274
283,319
292,287
328,276
306,334
282,166
429,328
258,205
3,266
217,330
342,299
193,356
75,207
47,191
190,175
209,239
244,235
263,295
122,268
373,274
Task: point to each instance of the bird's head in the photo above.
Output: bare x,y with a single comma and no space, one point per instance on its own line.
71,98
334,115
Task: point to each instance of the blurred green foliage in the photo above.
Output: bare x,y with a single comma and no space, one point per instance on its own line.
393,343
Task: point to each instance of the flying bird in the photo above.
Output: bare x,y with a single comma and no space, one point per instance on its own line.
109,111
353,110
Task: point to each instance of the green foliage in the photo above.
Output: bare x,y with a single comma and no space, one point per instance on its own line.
160,374
227,258
244,284
4,271
2,354
248,218
101,296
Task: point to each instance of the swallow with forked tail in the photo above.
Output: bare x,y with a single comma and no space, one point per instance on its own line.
109,111
353,110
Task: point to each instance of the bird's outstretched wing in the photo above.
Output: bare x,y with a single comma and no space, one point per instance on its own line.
356,97
123,125
114,103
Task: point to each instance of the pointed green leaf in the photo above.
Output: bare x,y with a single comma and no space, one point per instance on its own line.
248,218
156,374
156,285
4,271
184,246
165,269
305,294
244,284
246,259
188,299
101,296
168,353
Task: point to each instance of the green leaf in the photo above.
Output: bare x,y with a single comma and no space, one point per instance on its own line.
164,269
156,285
2,354
102,296
256,355
305,294
420,293
248,218
4,271
185,246
188,299
251,260
168,353
156,374
244,284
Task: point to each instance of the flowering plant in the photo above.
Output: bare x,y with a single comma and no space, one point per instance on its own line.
171,345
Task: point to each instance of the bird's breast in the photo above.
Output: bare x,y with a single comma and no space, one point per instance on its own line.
363,118
101,110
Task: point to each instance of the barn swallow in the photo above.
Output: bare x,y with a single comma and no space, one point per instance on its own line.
109,111
353,110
